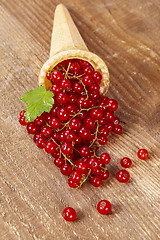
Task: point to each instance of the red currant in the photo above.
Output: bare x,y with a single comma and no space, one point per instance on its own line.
63,114
50,147
112,105
69,214
66,169
104,207
62,98
23,121
117,129
32,128
96,181
105,158
75,124
97,77
67,147
142,154
55,123
57,77
123,176
126,162
96,113
85,151
46,131
40,121
59,161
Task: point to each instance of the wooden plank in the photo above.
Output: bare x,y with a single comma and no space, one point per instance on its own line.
33,193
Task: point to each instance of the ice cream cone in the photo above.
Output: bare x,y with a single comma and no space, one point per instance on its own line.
67,43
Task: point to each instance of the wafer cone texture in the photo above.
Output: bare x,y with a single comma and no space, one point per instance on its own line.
67,43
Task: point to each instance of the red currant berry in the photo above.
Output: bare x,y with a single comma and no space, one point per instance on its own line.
84,133
63,114
95,87
84,64
65,84
88,70
62,98
109,116
71,108
88,80
57,77
69,214
142,154
54,111
117,129
59,162
48,75
96,181
116,121
74,67
82,114
102,141
41,142
50,147
77,87
55,89
32,128
103,131
85,151
81,167
23,121
97,77
69,135
123,176
40,121
76,176
104,174
46,131
96,113
89,122
36,137
55,123
66,169
78,140
112,105
126,162
93,163
105,158
72,98
109,126
67,148
71,183
22,113
75,124
104,207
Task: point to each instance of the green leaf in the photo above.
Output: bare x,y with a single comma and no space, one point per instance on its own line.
39,100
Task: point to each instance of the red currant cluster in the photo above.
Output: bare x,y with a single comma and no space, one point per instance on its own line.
79,121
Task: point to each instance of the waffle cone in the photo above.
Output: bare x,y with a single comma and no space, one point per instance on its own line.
67,43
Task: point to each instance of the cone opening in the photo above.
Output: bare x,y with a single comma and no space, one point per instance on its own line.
96,62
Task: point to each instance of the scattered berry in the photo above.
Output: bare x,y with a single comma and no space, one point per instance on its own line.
104,207
142,154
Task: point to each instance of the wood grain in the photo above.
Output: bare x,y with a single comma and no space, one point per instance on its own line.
33,193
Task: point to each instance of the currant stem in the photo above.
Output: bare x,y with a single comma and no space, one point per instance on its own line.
81,183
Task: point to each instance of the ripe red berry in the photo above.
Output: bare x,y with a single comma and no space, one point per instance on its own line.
23,121
69,135
89,122
102,140
88,70
41,142
50,147
22,113
62,98
142,154
46,131
57,77
126,162
66,169
55,123
96,181
67,148
97,77
40,121
32,128
112,105
88,80
69,214
109,116
84,64
63,114
96,113
117,129
104,174
74,67
72,184
84,133
55,89
75,124
93,163
65,84
105,158
104,207
48,75
77,87
81,167
59,161
85,151
76,176
123,176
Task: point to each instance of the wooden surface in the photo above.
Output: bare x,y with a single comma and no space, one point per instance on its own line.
33,193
